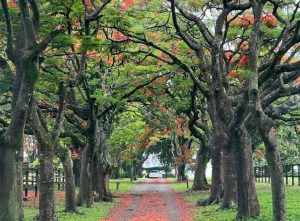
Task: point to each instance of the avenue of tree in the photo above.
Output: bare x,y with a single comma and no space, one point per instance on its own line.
103,84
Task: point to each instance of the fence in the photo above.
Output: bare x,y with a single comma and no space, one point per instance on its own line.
31,181
291,174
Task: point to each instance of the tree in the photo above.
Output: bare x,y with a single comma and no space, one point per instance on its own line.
24,51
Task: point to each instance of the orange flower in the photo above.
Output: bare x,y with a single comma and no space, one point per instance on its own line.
155,14
243,21
269,20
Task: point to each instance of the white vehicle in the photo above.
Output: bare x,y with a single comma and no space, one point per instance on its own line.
154,174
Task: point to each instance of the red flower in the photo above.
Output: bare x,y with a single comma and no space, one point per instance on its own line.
243,21
270,21
75,155
127,3
123,8
297,80
244,61
75,24
118,36
228,54
233,74
179,120
12,4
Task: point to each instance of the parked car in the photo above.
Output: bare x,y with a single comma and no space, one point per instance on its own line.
154,174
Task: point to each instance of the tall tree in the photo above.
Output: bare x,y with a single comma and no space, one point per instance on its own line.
24,51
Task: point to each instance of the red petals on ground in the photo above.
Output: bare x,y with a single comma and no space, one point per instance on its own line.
117,212
152,205
185,208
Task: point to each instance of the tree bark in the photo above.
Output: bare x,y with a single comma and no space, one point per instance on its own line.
115,173
134,171
85,196
181,172
248,205
70,205
216,187
46,184
276,171
19,185
8,204
229,165
76,172
200,181
105,194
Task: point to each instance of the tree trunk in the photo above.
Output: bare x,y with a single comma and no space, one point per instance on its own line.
46,184
216,187
181,172
76,172
104,185
70,205
115,173
8,204
85,196
229,165
248,205
101,180
276,171
133,171
19,185
176,170
200,182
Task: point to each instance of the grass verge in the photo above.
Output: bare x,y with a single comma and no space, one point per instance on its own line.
98,210
210,213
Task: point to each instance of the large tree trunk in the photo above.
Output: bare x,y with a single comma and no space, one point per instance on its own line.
70,205
200,181
101,180
105,194
217,143
85,196
46,184
76,172
19,185
276,171
8,204
248,205
229,170
216,187
97,179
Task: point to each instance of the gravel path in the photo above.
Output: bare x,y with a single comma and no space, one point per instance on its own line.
153,200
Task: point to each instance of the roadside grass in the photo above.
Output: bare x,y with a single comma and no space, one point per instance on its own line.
210,213
99,210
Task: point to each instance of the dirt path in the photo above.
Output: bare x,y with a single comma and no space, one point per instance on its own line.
153,200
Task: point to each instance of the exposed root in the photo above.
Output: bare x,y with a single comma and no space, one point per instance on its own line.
226,206
213,199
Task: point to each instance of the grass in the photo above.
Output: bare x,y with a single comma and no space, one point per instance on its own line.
210,213
99,210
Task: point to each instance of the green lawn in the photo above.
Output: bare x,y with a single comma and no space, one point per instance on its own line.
96,212
264,193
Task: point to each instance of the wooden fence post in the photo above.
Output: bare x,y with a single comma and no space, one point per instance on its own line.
36,183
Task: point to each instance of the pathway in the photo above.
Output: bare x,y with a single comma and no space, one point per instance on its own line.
153,200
